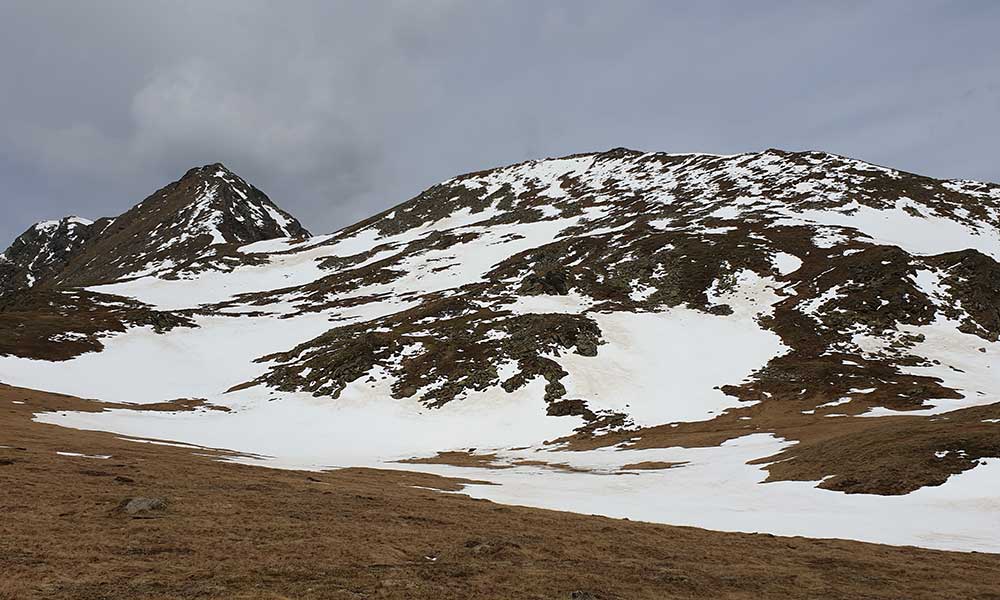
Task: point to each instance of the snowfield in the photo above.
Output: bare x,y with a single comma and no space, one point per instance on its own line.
656,381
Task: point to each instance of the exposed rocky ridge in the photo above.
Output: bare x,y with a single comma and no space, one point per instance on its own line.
191,224
43,250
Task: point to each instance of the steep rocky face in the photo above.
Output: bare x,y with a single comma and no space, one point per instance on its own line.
190,225
42,251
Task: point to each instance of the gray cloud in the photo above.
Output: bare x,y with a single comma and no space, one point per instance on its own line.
341,109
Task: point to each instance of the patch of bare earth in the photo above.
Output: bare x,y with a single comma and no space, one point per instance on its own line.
233,531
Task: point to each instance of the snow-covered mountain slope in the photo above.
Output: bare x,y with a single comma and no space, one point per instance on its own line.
626,324
189,225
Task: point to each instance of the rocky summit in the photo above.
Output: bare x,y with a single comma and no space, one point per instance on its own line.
681,338
186,226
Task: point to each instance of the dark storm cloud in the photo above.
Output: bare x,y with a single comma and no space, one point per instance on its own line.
339,109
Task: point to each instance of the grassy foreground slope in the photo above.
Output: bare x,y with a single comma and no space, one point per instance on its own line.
236,531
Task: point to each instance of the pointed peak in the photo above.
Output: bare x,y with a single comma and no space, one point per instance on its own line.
68,222
216,169
54,231
177,226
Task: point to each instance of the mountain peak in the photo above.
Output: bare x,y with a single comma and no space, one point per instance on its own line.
70,221
191,224
212,170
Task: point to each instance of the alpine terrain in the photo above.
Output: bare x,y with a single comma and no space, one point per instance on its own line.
783,343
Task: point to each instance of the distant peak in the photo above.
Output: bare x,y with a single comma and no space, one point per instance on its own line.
210,170
71,220
620,151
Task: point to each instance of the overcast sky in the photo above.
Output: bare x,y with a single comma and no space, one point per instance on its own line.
339,109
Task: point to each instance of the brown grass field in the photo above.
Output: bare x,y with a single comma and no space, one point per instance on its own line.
239,532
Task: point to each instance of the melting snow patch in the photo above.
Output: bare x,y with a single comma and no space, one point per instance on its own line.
571,303
365,426
954,358
141,366
837,402
718,490
787,263
925,234
663,367
78,455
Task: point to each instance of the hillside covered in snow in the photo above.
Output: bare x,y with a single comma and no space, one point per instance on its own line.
794,343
